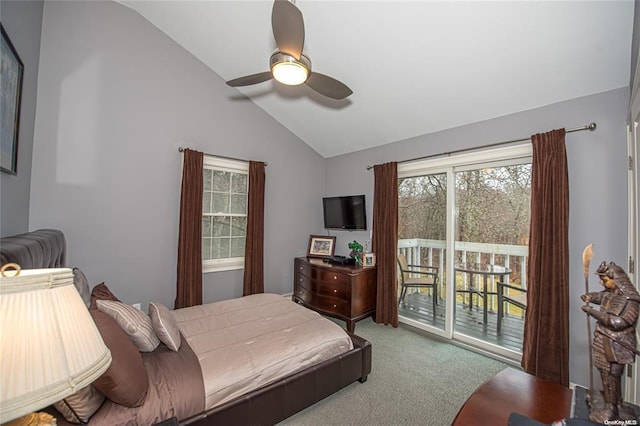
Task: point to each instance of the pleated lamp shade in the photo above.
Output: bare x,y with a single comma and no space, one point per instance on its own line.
49,345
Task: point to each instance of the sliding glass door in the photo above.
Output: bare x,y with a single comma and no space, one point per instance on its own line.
466,218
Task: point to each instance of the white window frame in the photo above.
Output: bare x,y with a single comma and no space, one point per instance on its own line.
510,154
234,166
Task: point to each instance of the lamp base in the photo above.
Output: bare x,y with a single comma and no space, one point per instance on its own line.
33,419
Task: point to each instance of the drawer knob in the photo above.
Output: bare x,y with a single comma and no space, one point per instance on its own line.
335,290
335,277
335,306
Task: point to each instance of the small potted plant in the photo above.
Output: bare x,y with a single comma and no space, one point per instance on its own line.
356,251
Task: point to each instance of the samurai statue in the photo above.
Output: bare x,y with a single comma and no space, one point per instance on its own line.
614,341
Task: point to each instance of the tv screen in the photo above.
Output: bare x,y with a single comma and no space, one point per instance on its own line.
347,212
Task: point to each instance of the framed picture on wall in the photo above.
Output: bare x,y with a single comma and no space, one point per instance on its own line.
321,246
12,71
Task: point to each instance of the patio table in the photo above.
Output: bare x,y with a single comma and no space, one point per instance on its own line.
486,270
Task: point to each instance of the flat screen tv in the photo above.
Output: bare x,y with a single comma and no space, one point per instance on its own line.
346,212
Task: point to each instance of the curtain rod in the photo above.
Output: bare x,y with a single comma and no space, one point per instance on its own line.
591,127
181,149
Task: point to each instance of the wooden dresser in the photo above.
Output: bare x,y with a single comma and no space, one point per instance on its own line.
347,292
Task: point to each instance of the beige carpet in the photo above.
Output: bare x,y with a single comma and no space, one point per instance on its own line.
415,380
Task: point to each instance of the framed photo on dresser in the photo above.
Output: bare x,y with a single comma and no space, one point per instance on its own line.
321,246
369,260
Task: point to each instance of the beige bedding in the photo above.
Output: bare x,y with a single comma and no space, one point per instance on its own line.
245,343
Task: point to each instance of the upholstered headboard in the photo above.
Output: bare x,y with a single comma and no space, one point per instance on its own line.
44,248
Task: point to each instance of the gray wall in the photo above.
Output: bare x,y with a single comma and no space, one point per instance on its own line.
635,41
22,20
116,99
597,178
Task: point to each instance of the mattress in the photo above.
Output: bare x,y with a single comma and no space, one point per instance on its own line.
243,344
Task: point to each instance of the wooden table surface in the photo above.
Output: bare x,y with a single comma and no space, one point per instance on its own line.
511,391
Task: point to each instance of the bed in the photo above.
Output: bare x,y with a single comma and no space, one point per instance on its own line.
252,360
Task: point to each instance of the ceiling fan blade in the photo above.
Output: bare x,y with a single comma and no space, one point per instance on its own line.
328,86
248,80
288,27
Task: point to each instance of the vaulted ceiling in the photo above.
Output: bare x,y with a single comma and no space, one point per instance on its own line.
415,67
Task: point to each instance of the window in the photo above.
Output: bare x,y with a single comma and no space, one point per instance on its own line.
224,214
458,214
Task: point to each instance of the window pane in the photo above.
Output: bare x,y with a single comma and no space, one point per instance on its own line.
221,181
221,226
208,178
220,248
492,228
237,247
206,248
206,202
238,204
238,226
220,202
493,205
207,226
239,183
422,208
422,226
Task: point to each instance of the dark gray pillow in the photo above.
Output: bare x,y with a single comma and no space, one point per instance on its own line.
81,283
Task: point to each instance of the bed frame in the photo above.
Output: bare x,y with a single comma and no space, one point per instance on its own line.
46,248
279,400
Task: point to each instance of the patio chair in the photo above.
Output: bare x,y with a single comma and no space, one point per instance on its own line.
428,279
518,299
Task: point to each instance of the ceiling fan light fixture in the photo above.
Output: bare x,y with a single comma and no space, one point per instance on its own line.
288,70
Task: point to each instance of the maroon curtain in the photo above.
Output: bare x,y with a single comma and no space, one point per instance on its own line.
189,280
253,281
385,241
545,351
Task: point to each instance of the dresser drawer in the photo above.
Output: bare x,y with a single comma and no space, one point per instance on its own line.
322,303
330,276
322,274
323,288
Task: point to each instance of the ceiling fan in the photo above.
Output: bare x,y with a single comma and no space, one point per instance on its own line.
288,65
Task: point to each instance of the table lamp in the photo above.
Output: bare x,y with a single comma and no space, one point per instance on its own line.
49,345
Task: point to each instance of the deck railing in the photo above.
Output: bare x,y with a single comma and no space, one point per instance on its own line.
420,251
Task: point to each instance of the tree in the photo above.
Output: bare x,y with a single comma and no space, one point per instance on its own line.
492,205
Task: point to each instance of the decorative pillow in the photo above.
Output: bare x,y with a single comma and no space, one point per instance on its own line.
101,292
126,381
81,283
79,407
165,325
133,321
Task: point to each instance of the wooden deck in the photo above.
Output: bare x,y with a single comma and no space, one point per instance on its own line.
419,307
